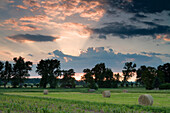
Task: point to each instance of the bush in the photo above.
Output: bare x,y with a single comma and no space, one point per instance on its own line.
31,86
165,86
136,84
122,84
127,85
156,83
37,85
93,85
114,85
131,84
25,85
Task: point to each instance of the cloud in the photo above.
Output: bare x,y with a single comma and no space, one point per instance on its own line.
24,38
137,6
29,28
67,59
93,14
102,37
92,56
20,25
32,3
70,29
21,7
30,55
126,31
4,3
37,18
165,37
6,55
140,16
155,54
11,21
93,10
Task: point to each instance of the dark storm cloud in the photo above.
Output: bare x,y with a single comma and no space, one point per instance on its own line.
92,56
136,6
153,54
126,31
30,55
158,20
102,36
29,37
140,16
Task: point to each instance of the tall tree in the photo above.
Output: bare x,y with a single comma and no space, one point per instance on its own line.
1,71
98,71
117,77
108,74
108,80
88,77
103,76
49,69
20,71
148,76
128,70
166,70
68,80
1,65
6,73
139,74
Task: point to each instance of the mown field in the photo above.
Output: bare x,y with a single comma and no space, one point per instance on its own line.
80,100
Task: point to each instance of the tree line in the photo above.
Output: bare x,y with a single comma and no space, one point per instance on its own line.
98,77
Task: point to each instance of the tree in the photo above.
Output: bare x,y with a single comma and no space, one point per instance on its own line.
98,72
129,71
108,80
117,77
20,71
88,78
68,80
49,69
166,70
139,73
108,74
156,82
1,67
6,73
148,76
103,76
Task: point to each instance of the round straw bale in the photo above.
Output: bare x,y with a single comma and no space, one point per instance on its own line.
45,92
125,91
106,93
145,100
91,90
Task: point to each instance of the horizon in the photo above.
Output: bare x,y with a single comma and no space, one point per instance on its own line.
78,76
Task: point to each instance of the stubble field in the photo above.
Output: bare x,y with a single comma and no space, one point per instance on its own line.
80,100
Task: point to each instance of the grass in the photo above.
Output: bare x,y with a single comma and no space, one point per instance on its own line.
74,100
85,90
13,104
162,100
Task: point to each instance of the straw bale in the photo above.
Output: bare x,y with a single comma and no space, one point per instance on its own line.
45,92
106,93
91,90
146,100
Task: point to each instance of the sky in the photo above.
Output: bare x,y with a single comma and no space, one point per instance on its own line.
82,33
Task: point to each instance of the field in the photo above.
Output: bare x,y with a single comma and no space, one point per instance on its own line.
80,100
